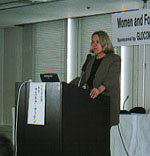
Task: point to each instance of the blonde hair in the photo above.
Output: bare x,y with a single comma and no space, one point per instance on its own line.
104,41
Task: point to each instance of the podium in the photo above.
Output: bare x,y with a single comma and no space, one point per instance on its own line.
75,124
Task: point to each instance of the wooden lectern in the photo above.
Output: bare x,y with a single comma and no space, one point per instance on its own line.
75,124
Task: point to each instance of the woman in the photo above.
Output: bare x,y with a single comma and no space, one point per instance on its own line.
102,73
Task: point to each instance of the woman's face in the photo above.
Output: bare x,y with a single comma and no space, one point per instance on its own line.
96,46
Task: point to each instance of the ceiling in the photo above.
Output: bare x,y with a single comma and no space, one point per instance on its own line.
18,12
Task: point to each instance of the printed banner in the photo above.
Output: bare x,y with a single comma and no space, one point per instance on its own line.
36,108
131,28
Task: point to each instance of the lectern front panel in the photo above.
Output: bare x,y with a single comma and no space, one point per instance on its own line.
40,140
85,123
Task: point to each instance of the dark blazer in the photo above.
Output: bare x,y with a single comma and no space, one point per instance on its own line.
108,74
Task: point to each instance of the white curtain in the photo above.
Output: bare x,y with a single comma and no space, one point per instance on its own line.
49,49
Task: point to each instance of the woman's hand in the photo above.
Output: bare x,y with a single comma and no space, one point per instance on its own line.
95,92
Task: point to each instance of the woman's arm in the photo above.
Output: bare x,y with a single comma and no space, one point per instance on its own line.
113,74
111,79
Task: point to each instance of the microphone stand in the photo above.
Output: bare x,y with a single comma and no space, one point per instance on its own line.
84,68
79,83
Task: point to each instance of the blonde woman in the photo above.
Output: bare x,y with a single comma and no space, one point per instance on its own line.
103,72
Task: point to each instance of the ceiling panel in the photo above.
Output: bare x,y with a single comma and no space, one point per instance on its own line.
38,12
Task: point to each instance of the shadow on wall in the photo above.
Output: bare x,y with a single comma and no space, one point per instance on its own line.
6,147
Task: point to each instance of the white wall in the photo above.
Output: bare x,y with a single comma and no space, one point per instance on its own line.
27,56
126,76
147,78
72,49
136,76
12,69
1,75
15,66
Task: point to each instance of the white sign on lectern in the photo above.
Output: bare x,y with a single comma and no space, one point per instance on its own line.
36,108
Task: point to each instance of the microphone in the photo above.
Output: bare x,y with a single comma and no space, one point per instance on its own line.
86,62
84,68
125,101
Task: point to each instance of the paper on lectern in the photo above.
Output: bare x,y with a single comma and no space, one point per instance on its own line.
36,108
